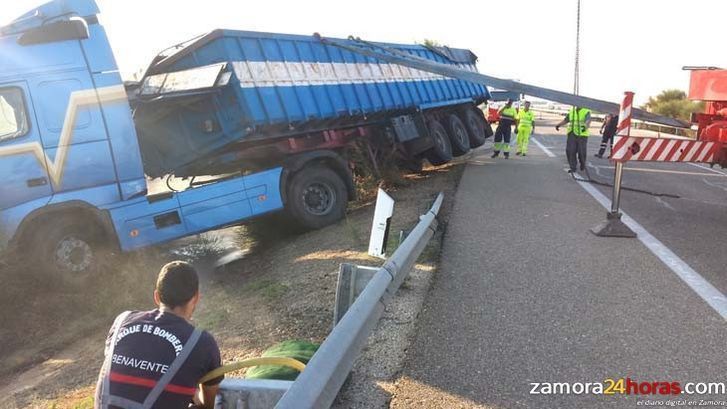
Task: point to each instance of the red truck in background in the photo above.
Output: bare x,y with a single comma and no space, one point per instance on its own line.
709,84
493,115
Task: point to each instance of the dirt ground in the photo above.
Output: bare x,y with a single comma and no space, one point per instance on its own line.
282,288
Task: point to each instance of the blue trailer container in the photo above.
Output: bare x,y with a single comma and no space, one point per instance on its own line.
272,85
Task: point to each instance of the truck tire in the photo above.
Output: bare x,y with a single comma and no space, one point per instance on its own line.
488,129
317,197
476,128
487,125
458,135
71,251
441,153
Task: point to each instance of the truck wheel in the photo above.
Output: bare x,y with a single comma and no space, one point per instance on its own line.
476,128
458,134
485,123
488,129
71,251
317,197
441,153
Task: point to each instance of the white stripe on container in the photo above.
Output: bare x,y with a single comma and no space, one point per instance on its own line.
253,74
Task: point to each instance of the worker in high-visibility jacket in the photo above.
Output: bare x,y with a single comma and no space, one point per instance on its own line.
525,125
578,120
504,129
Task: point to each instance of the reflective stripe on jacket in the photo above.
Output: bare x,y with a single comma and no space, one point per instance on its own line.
578,121
508,113
104,399
525,119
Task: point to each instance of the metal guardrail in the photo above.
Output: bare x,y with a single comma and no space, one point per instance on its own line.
324,375
637,124
250,393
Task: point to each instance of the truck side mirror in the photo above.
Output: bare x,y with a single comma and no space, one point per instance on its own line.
75,29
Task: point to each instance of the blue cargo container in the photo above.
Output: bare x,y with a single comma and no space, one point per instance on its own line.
273,85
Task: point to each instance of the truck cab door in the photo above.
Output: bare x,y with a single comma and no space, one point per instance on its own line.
72,132
22,161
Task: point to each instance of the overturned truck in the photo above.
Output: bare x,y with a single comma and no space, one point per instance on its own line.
253,123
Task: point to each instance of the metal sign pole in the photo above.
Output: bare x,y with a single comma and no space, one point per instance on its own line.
616,195
613,226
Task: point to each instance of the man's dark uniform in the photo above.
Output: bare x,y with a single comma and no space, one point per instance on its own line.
147,342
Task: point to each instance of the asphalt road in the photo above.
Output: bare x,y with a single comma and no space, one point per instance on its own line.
527,294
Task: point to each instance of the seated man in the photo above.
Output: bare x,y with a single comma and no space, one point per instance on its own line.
156,358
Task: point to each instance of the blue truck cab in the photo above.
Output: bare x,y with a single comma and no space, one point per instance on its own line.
254,122
69,154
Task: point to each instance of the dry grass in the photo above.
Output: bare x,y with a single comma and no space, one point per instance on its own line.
284,288
374,168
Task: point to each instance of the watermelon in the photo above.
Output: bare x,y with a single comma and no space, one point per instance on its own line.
299,350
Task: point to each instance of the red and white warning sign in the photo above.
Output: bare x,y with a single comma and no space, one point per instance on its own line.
626,148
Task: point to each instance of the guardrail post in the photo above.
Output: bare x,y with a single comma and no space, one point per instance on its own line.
250,393
352,280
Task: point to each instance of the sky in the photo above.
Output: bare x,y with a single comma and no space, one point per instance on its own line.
636,45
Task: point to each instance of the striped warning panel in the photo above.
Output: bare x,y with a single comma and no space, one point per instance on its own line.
626,148
624,115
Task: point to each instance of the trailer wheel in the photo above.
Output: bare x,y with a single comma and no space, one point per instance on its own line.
70,251
441,153
458,134
476,128
488,129
317,197
485,123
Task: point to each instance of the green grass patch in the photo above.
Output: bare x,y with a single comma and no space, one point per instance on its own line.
268,289
353,233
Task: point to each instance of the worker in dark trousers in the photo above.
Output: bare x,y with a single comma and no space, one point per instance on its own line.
504,129
578,120
155,359
608,130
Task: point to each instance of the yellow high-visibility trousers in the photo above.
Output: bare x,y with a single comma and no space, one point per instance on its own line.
523,138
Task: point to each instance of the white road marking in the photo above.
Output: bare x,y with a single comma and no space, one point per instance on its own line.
709,293
704,289
664,203
707,168
716,185
598,168
674,172
543,148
